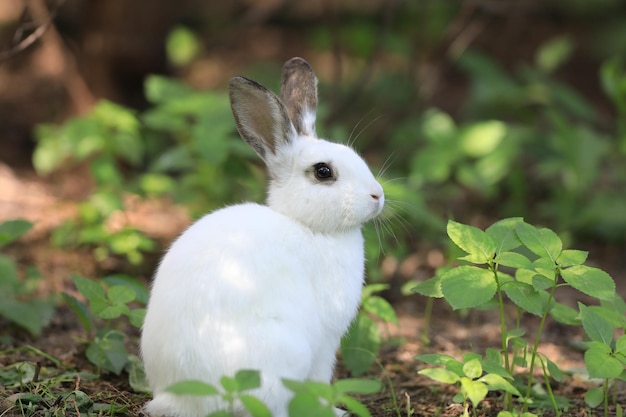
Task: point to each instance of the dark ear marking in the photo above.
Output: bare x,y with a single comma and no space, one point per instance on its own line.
298,91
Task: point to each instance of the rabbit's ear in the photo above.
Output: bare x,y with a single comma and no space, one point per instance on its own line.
298,90
262,119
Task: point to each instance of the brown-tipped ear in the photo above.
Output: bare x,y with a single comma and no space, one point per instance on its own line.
261,118
298,90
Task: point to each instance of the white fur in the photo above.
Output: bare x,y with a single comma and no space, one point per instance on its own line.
271,288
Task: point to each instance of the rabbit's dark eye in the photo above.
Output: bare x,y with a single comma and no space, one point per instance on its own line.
323,172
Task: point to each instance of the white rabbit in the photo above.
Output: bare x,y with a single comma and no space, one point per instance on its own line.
271,288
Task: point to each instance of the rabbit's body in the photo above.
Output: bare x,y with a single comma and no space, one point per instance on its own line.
293,309
271,288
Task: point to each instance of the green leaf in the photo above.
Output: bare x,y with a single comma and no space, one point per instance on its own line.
564,314
104,310
542,242
9,282
381,308
308,405
601,364
496,382
317,389
255,407
196,388
591,281
473,369
159,89
121,294
137,375
88,288
440,375
248,379
429,288
478,244
594,397
354,406
554,53
11,230
540,282
181,46
503,234
434,358
513,260
361,344
571,257
31,316
554,370
141,292
476,391
468,286
597,327
370,289
356,386
80,309
109,352
136,317
481,138
229,384
525,297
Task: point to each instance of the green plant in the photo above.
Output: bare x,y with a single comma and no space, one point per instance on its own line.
361,344
310,398
541,265
109,301
474,376
17,301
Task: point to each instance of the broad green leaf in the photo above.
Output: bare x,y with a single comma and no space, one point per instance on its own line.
481,138
108,352
356,386
191,387
473,369
594,397
468,286
354,406
317,389
9,282
597,327
137,316
361,344
88,288
121,294
229,384
434,358
248,379
525,297
104,310
182,46
571,257
12,230
370,289
540,282
31,316
137,375
542,242
620,344
555,371
429,288
513,260
476,391
591,281
472,240
503,234
80,309
616,319
381,308
554,53
308,405
564,314
159,89
601,364
440,375
490,367
255,407
615,303
141,291
496,382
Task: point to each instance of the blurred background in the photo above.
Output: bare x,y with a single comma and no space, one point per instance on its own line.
115,126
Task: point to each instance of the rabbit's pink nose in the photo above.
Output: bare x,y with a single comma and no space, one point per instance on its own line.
375,196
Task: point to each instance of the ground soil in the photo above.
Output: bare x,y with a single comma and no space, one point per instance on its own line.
450,332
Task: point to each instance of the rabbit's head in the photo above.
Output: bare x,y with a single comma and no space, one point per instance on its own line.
323,185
